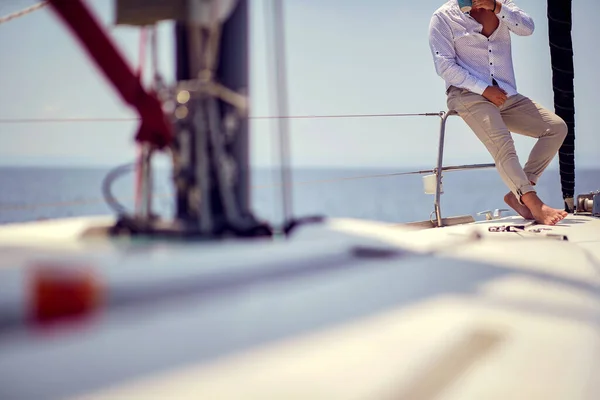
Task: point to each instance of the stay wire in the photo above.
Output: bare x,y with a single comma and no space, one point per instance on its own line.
132,119
23,12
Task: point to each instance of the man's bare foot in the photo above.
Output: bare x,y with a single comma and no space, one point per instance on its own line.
542,213
548,215
521,209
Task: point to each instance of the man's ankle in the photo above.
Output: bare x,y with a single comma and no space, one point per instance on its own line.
531,199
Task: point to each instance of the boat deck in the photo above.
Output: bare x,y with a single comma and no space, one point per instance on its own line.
346,310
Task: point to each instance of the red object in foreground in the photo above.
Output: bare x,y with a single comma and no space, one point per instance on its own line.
155,128
58,292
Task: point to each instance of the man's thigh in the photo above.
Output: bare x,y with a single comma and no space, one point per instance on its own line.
526,117
482,116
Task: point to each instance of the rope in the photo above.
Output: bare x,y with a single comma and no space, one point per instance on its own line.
109,198
140,152
158,80
142,52
23,12
62,120
65,120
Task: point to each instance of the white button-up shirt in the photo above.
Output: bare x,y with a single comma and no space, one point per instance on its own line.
467,59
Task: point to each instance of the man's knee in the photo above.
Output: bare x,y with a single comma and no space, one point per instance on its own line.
563,129
559,129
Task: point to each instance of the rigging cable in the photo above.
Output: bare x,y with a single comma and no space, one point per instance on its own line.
16,207
133,119
23,12
63,120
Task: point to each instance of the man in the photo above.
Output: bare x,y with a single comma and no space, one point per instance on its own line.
472,53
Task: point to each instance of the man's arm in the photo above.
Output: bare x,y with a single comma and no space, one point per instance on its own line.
515,19
444,58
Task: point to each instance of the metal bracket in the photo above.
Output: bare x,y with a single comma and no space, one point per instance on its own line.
489,216
588,204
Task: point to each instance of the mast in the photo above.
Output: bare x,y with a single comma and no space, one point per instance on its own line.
211,152
210,122
561,54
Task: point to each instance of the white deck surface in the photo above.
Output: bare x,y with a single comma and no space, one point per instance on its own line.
453,313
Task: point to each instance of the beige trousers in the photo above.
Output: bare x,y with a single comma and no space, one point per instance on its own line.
493,126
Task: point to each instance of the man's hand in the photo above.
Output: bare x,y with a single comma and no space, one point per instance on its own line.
495,94
487,5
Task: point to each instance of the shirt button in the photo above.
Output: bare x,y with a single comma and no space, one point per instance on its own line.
490,51
490,63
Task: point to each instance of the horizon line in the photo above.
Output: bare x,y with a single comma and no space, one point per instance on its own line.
401,168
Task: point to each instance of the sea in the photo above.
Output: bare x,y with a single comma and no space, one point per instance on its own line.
39,193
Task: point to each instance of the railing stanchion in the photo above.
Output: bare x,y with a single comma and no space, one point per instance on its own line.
439,170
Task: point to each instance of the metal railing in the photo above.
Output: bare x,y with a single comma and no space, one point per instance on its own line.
440,166
147,194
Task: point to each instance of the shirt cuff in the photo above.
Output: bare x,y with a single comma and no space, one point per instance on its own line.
478,87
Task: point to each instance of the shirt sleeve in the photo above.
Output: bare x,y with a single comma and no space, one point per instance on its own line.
515,19
444,58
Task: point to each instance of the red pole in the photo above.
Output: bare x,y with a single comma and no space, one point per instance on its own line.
155,128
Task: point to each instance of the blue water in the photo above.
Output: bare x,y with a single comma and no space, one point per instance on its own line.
28,194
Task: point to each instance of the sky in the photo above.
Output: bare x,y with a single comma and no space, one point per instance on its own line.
344,57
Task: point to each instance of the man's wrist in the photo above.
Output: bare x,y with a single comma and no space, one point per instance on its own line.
497,7
478,87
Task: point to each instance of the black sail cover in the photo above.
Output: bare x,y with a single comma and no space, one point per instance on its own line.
561,57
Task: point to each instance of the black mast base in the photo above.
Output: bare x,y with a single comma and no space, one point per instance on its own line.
163,229
157,228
